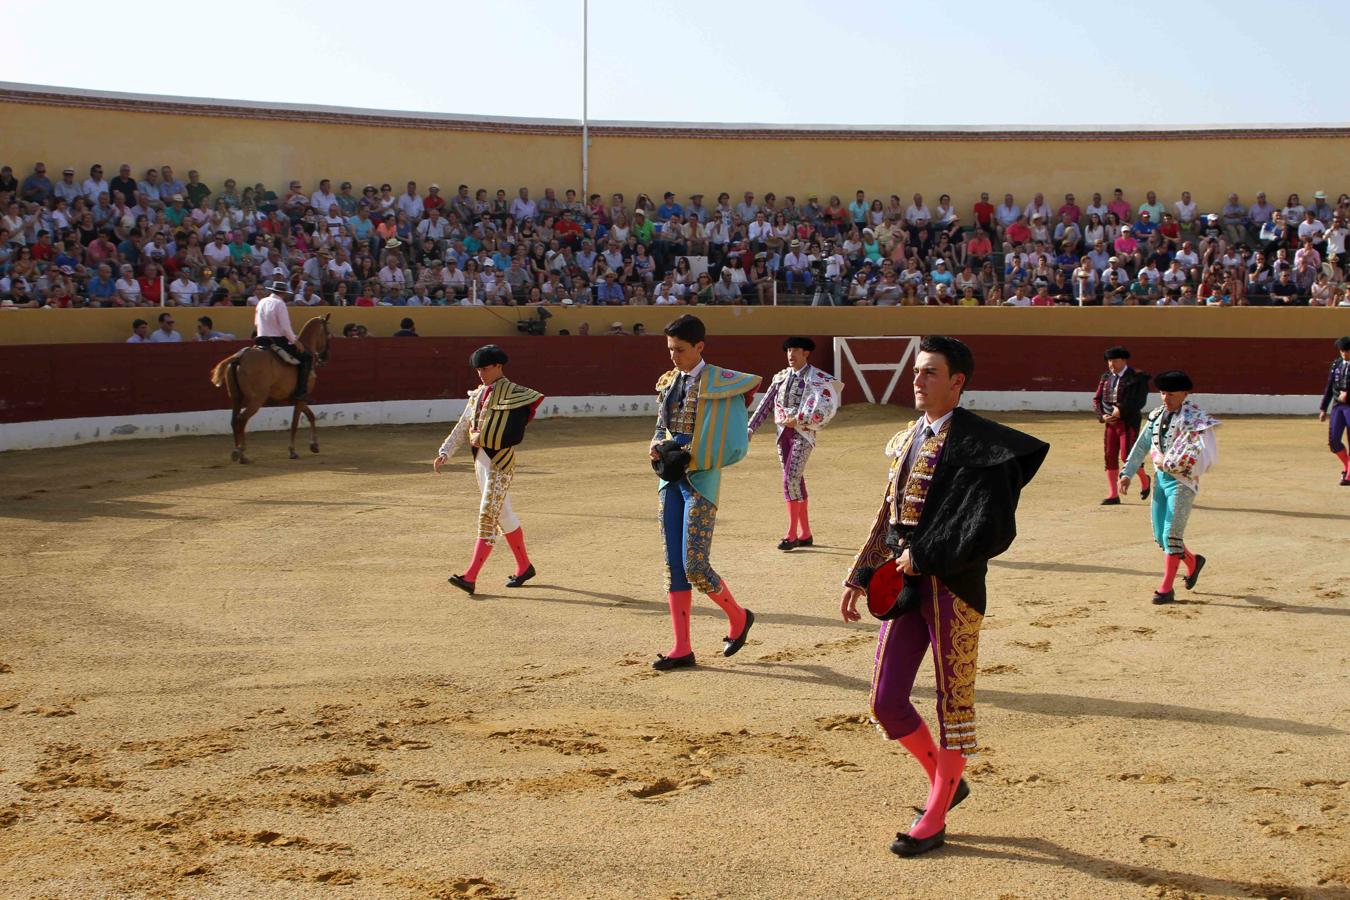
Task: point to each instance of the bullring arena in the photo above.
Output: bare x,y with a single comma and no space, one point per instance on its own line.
226,680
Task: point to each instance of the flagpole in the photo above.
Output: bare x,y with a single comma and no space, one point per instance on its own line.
585,109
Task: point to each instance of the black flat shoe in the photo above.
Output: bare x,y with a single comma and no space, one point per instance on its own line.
1144,492
806,542
666,663
962,792
462,583
519,580
1191,579
788,544
735,644
1345,481
1110,501
906,846
1160,598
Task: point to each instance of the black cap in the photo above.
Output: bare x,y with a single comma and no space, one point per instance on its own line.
488,355
1117,353
803,343
1172,380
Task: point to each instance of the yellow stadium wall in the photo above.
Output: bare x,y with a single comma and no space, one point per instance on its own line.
273,145
65,326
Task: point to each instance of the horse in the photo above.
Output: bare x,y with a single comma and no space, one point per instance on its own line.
255,376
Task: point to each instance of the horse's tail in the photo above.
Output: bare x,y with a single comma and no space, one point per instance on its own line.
218,373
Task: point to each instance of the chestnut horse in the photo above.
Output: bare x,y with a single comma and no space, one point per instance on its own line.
255,376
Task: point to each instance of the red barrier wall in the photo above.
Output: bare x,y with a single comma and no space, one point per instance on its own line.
62,381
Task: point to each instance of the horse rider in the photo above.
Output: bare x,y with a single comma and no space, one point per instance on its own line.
272,327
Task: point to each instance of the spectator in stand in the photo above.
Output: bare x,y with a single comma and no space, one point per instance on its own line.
984,213
206,329
1121,207
1234,220
140,332
165,333
1285,292
101,289
1005,215
183,289
1187,214
168,184
37,187
406,328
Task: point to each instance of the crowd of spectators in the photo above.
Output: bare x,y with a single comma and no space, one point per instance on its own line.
156,240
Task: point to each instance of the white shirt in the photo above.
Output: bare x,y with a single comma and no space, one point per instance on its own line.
321,201
523,209
1185,211
218,254
272,319
159,336
183,291
915,214
91,189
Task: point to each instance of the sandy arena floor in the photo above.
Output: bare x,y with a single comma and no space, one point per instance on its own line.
219,680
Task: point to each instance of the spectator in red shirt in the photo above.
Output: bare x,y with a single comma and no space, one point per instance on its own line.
1121,208
433,199
149,283
1070,209
1018,232
984,212
42,250
978,247
568,230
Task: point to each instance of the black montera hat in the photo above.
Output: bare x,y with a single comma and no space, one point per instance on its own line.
1172,380
488,355
803,343
1117,353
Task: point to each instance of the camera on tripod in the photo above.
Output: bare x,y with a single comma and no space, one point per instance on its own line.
536,327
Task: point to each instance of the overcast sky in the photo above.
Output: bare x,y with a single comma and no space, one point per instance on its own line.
891,62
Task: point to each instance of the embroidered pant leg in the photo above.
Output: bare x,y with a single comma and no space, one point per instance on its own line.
494,508
901,647
1172,504
793,452
1340,426
954,629
700,518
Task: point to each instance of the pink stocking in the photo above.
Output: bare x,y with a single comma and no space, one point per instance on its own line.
481,549
792,520
1170,565
1144,480
1344,457
1189,559
919,743
735,612
1113,480
950,765
680,604
516,541
803,522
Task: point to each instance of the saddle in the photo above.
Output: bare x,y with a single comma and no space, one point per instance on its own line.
283,353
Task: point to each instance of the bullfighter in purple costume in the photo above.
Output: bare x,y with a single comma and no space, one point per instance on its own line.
1336,406
949,507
